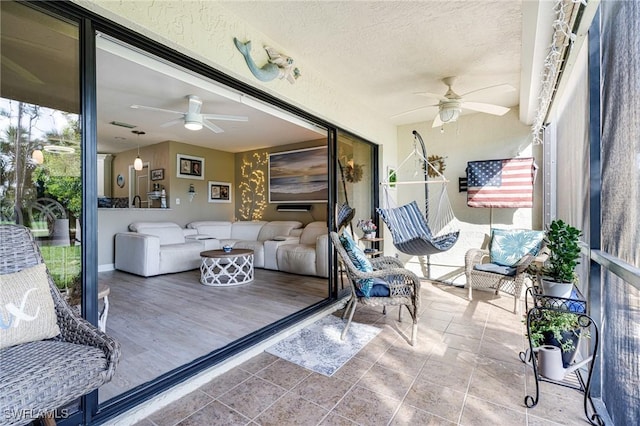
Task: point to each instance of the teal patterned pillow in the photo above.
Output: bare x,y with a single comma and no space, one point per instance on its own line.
360,261
508,246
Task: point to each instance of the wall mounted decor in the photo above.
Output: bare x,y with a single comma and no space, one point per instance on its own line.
157,174
278,65
299,176
120,181
219,192
190,167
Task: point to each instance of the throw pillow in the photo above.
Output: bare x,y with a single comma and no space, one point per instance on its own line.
27,312
508,246
360,261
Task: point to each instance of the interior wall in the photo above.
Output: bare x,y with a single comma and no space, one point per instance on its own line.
473,137
252,186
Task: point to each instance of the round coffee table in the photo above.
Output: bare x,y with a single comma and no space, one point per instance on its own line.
219,268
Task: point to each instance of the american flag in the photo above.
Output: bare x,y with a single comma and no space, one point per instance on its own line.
501,183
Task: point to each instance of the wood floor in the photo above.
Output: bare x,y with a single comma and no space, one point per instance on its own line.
166,321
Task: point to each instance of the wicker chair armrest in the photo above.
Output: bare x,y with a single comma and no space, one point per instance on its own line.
75,329
385,262
475,257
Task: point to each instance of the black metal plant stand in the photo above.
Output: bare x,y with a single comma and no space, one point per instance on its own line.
574,377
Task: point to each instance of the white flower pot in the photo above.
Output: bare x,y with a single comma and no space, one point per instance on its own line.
370,235
556,289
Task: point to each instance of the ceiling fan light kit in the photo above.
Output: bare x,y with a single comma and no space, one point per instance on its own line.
193,119
449,111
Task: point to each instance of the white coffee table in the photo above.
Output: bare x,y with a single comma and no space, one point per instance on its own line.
220,268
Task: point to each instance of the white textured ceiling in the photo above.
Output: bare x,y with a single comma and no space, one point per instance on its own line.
382,52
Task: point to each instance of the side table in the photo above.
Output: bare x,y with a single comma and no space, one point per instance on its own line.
374,248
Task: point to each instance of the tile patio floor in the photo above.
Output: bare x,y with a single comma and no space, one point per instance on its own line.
464,370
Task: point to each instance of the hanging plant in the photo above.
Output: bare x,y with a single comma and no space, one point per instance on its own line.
436,163
353,172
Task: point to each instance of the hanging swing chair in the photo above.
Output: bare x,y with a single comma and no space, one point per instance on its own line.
414,233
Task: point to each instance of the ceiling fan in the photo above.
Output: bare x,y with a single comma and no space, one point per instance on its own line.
451,104
192,118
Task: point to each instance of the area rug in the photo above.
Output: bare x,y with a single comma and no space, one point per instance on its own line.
319,348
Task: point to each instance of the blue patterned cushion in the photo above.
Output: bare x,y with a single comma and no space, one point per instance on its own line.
360,261
508,246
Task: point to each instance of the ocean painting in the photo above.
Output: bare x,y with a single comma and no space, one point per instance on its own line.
299,176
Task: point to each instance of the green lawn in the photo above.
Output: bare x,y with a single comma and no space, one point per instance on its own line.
64,263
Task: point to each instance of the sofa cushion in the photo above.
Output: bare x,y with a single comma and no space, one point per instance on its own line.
312,231
380,288
180,257
27,312
508,246
248,231
168,232
496,269
277,228
297,259
218,229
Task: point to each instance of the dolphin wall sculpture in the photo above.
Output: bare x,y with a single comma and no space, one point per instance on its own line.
278,65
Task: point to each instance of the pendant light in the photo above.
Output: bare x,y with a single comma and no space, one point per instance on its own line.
137,164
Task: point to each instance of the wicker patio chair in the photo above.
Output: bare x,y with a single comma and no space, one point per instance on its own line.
38,377
404,286
511,284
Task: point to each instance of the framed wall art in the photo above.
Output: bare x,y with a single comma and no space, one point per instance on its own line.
299,176
219,192
157,174
190,167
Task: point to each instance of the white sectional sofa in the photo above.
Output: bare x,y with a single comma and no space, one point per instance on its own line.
248,235
309,255
154,248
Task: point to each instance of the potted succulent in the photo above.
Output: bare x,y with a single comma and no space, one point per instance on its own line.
558,273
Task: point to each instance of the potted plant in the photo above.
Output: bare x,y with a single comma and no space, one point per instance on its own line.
559,329
368,228
558,273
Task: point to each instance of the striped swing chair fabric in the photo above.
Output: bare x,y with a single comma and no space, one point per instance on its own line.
411,233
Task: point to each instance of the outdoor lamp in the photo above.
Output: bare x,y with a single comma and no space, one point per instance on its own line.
37,156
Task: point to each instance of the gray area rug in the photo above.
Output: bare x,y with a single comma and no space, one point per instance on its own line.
318,347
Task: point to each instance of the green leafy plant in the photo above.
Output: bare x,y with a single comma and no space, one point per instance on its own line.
559,325
562,241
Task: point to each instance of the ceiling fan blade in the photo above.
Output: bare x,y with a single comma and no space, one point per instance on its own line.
498,88
432,95
21,71
172,122
437,122
154,109
212,127
486,108
225,117
195,104
413,110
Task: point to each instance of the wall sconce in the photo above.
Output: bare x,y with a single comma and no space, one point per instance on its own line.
192,193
